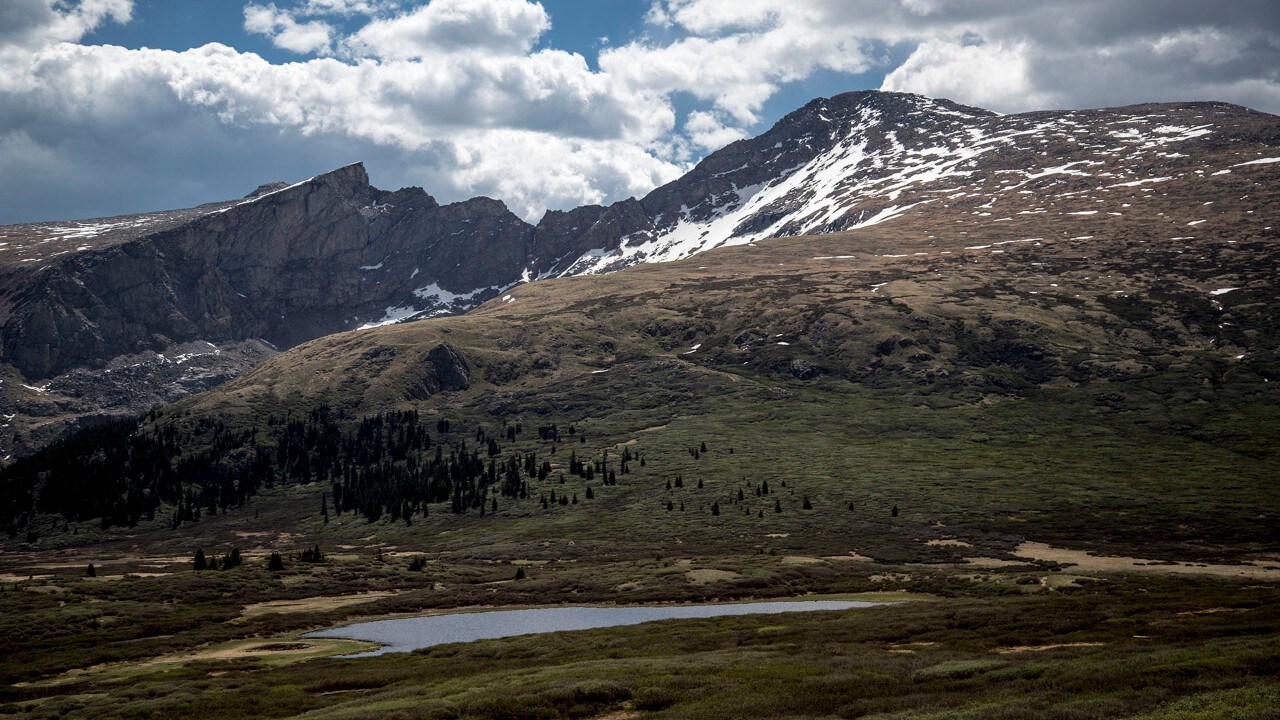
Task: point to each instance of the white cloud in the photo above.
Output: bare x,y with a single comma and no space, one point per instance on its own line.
33,23
710,17
735,54
988,75
347,7
536,129
464,96
709,133
1010,56
483,26
285,32
533,171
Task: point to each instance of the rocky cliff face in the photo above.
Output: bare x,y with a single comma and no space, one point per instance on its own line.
284,265
115,315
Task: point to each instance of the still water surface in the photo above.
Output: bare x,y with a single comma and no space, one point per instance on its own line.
407,634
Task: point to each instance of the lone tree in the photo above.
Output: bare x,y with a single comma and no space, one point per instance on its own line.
807,505
715,508
894,511
520,573
200,562
777,505
91,571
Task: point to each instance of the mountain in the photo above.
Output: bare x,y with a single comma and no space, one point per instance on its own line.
115,316
1081,352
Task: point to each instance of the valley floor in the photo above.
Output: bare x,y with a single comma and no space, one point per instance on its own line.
1055,561
1019,641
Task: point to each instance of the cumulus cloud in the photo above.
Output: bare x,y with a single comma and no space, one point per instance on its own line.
34,23
285,32
490,26
708,132
734,54
347,7
482,113
466,97
990,75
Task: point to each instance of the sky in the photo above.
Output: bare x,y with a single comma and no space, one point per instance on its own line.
117,106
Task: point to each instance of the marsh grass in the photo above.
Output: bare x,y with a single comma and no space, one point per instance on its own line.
1150,652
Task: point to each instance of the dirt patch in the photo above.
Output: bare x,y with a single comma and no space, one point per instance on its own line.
802,560
313,604
1105,563
1210,611
15,578
850,556
948,543
986,562
149,561
258,649
778,535
1042,648
282,647
910,647
709,575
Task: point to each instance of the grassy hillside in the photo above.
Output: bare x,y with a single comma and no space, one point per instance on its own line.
1092,391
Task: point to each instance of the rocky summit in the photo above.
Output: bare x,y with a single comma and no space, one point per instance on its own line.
114,316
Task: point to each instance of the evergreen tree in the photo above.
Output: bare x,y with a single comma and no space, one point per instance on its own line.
200,562
777,505
276,563
91,571
520,572
807,505
715,508
894,511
